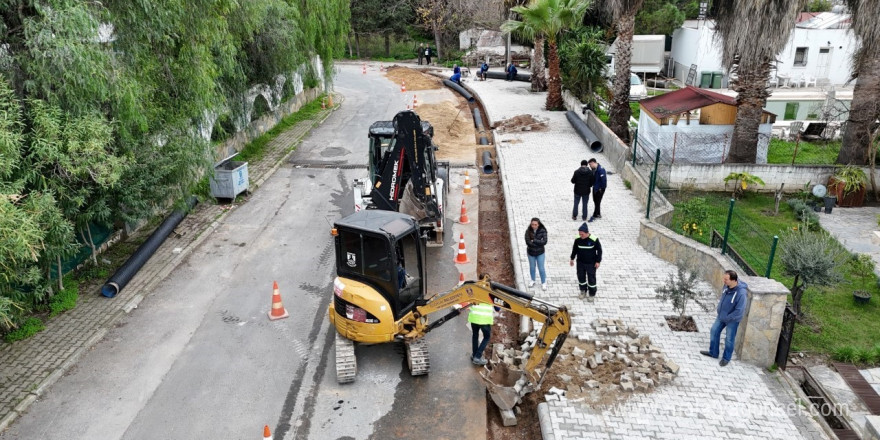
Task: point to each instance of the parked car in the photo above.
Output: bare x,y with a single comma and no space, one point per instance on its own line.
637,90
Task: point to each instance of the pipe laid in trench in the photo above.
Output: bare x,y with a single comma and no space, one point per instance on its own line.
143,253
584,132
487,163
461,91
503,75
478,124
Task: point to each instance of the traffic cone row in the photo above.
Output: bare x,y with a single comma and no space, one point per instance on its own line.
462,257
278,311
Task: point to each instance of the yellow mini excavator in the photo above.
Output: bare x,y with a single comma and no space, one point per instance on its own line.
379,295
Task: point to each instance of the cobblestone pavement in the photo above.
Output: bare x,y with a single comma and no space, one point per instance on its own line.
705,400
854,229
28,368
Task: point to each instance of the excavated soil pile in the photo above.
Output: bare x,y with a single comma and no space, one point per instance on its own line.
608,370
453,128
522,123
415,80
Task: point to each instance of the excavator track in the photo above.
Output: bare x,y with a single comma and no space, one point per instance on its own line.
417,357
346,363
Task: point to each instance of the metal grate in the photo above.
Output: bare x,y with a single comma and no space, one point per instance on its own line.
336,165
860,386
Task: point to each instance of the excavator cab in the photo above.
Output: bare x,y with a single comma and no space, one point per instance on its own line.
382,143
380,274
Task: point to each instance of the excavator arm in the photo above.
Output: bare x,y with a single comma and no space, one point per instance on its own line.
408,162
555,319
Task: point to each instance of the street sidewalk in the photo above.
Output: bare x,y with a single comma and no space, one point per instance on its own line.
28,368
705,400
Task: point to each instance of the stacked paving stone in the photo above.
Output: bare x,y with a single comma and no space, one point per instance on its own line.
642,365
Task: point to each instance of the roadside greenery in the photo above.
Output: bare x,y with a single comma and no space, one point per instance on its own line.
104,109
831,320
254,149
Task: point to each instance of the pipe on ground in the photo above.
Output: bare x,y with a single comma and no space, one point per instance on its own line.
526,77
458,88
584,132
478,124
487,163
143,253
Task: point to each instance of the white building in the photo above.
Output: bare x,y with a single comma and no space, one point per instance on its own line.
820,49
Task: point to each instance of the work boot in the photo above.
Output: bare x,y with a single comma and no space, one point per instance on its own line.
706,353
724,362
479,361
582,294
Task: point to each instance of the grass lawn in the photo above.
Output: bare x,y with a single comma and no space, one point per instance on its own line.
833,319
634,106
818,153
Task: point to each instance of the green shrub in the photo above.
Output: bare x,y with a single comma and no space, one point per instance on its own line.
805,214
9,310
30,327
261,107
694,212
66,299
627,184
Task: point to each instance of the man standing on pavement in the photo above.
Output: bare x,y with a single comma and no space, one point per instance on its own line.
582,180
588,252
421,51
481,317
600,182
730,309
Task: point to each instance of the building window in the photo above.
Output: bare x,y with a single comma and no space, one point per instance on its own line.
800,56
791,110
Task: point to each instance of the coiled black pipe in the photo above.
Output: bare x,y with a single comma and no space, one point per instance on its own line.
503,75
478,123
143,253
487,163
461,91
584,132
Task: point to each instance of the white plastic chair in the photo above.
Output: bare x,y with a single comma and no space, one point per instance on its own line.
808,80
800,82
774,81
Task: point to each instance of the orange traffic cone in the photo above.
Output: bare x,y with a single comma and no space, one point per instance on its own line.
323,104
267,434
403,87
365,69
278,311
467,183
460,278
415,100
463,219
461,258
330,100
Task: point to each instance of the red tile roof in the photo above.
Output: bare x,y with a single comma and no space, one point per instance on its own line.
683,100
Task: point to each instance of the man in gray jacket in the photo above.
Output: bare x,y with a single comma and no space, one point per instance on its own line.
731,308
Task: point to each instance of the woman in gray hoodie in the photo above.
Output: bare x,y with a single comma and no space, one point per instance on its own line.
536,239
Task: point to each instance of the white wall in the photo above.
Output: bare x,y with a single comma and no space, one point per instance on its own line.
693,143
694,44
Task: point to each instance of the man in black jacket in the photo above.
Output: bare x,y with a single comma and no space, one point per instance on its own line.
583,181
588,252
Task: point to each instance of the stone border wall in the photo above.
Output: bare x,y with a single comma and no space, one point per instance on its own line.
264,123
758,333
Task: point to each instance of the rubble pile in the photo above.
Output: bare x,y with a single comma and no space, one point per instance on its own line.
522,123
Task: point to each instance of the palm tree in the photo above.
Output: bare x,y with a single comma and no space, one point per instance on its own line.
539,73
624,13
751,33
864,110
548,19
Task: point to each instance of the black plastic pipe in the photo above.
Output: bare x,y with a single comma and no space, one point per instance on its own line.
461,91
584,132
503,75
487,163
143,253
478,124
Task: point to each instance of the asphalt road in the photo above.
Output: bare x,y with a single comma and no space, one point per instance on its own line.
199,359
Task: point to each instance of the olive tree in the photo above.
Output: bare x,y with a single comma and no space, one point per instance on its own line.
812,258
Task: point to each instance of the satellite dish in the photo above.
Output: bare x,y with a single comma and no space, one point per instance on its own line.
820,190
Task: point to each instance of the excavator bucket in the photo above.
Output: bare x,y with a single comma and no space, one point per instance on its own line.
501,383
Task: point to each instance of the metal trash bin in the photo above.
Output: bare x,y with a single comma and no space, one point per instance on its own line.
229,180
716,79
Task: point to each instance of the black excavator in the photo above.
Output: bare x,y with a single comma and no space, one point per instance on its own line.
404,175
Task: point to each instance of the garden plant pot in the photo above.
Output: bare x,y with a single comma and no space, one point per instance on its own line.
851,199
861,297
830,201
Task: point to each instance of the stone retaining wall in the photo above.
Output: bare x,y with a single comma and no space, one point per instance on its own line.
758,332
257,128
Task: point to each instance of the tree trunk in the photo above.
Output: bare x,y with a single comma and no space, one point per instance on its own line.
620,112
437,37
60,274
751,85
554,89
864,110
797,292
539,78
387,45
357,44
350,49
88,240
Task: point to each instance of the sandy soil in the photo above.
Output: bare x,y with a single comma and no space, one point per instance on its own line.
453,128
415,80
